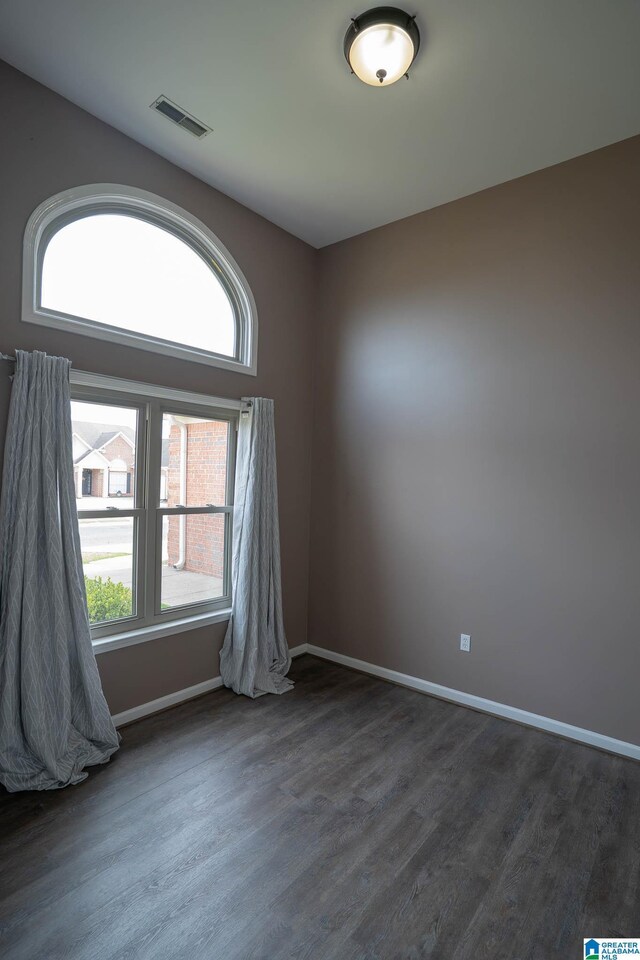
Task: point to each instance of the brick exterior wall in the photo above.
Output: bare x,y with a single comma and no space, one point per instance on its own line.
206,479
119,449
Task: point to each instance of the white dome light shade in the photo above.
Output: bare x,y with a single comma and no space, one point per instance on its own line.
381,45
380,55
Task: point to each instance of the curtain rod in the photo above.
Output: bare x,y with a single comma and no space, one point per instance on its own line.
11,359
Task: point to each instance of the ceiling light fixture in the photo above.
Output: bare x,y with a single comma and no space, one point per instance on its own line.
381,44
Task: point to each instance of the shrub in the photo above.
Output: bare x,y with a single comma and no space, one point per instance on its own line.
107,600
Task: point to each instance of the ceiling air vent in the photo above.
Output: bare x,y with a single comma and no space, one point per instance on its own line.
175,113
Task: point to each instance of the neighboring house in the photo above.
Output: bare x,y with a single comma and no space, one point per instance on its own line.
104,458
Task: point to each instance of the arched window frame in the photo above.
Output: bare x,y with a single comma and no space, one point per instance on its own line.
70,205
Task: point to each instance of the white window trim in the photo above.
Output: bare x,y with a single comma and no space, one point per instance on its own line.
135,635
129,638
84,378
177,220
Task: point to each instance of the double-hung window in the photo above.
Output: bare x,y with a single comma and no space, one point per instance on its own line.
154,489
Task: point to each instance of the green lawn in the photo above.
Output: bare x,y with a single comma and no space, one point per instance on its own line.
92,557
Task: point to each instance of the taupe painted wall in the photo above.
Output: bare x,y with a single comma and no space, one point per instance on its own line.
49,145
476,457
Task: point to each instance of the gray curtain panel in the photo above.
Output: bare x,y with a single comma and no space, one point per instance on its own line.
54,720
255,656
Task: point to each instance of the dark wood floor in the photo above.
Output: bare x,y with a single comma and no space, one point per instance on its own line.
347,819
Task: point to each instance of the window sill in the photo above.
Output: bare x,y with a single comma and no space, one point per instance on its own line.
143,634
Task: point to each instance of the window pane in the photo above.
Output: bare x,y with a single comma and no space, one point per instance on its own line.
107,558
128,273
194,461
192,558
104,454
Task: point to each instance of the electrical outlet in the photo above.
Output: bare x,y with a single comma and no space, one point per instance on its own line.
465,642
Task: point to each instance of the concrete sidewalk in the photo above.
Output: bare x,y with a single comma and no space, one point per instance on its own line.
179,587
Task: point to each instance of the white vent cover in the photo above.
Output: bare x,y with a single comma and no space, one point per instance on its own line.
179,116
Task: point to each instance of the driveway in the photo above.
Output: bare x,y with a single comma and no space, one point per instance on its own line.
102,503
114,535
179,587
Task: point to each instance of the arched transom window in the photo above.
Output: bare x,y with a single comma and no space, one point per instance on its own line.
126,266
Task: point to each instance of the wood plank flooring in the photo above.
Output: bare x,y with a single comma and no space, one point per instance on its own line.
347,820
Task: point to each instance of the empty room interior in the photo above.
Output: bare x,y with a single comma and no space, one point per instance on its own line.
319,522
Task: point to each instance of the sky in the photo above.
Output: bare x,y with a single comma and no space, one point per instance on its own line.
103,413
87,412
128,273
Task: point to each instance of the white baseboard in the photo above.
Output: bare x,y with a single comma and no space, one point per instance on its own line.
162,703
299,650
590,737
179,696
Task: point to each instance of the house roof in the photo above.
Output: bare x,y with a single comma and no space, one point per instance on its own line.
92,460
98,435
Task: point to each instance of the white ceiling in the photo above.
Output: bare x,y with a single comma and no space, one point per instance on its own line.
500,88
